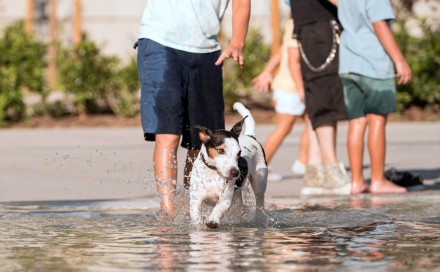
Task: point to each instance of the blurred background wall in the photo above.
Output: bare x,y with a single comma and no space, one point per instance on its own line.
114,24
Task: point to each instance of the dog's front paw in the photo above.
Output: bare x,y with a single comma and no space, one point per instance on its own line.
212,224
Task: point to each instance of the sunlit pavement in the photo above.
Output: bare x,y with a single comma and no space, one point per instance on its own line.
115,163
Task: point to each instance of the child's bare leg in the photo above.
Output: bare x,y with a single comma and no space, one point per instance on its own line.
355,147
165,170
284,124
377,148
327,138
303,156
314,155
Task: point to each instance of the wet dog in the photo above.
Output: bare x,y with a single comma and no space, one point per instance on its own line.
225,162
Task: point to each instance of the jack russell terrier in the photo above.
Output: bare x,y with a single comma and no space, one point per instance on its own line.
224,163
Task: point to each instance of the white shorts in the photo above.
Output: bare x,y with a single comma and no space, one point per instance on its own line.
288,103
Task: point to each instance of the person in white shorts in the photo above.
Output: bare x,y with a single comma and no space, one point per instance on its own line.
288,98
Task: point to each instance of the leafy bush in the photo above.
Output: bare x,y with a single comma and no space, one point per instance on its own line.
125,101
88,75
22,68
238,82
101,84
98,82
423,56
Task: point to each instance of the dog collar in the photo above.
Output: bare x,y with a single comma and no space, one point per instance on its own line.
210,166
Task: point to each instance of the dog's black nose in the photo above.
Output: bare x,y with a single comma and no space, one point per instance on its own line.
234,173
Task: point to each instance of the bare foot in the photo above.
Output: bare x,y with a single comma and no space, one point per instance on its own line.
166,211
385,187
167,203
359,188
164,218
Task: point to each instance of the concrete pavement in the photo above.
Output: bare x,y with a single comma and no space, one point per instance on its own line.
115,163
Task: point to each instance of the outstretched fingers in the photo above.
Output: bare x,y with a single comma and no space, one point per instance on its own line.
235,54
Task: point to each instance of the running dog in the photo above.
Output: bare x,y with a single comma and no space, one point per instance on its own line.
224,163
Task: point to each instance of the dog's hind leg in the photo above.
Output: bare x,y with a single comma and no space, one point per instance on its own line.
259,185
238,197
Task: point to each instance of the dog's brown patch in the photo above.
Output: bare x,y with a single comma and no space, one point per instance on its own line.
212,151
204,137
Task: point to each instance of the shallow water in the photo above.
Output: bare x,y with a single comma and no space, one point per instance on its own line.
359,233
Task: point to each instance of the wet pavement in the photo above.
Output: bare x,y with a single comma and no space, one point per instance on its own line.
115,163
84,199
359,233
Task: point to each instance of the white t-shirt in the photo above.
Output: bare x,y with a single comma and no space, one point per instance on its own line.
188,25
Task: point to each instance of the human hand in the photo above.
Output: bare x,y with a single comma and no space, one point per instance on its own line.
233,51
263,81
403,71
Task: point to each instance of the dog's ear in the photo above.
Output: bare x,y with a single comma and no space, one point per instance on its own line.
236,129
205,133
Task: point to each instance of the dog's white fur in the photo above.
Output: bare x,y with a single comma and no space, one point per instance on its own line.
215,171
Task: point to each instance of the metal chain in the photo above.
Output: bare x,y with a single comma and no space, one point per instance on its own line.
331,56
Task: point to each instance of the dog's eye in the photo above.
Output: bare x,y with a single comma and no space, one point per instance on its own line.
239,153
220,151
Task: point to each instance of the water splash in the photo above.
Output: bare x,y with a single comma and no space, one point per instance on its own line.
324,234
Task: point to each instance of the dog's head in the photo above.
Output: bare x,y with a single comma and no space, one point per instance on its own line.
222,149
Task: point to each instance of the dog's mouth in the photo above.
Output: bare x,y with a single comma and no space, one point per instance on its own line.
232,174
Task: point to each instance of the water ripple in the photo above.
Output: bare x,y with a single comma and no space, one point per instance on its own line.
343,234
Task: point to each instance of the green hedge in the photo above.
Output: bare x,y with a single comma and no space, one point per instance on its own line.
102,84
98,83
237,81
22,70
423,56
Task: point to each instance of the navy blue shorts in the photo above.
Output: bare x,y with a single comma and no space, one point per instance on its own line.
178,90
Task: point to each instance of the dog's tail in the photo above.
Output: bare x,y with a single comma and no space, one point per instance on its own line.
249,122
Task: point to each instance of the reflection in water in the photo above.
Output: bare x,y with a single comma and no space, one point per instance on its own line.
326,234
